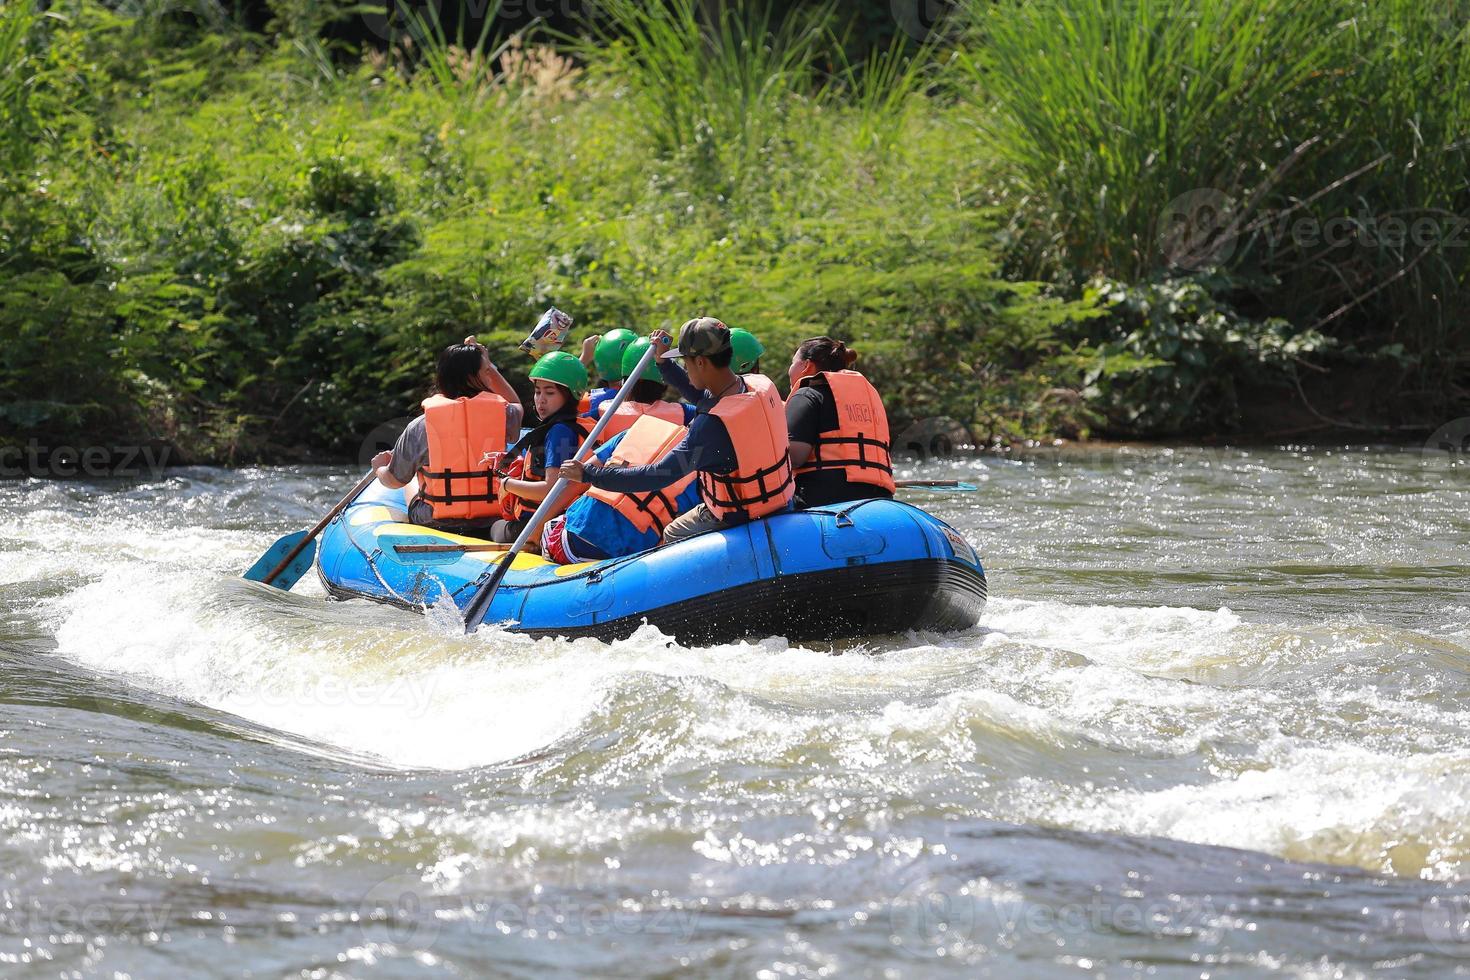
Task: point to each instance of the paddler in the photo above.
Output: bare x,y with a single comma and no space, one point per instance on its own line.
737,442
559,380
647,395
453,447
603,353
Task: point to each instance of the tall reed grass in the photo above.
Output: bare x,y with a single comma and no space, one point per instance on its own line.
715,84
1156,138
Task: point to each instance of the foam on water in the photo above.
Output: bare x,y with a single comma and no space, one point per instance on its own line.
1341,804
998,722
1334,739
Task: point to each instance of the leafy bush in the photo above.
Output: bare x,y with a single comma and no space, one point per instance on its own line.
1171,356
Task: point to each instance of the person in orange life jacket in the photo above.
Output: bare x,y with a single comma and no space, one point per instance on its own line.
736,444
559,380
602,524
838,428
470,413
646,397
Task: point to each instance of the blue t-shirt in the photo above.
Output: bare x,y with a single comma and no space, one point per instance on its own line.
605,529
597,398
562,441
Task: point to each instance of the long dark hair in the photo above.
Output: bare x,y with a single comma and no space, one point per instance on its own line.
827,354
457,375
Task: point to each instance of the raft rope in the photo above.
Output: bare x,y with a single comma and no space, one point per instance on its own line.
602,567
372,564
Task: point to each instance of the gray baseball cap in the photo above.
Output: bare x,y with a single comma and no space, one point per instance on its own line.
701,337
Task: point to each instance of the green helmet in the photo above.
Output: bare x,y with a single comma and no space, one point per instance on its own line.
633,355
747,350
609,354
563,369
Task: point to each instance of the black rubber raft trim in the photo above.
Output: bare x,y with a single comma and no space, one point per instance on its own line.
840,603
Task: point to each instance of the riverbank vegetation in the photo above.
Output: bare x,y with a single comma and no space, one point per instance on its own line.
245,232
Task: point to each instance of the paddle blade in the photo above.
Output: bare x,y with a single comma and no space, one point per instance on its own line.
292,573
939,487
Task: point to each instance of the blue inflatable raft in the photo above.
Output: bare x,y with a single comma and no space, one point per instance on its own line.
856,569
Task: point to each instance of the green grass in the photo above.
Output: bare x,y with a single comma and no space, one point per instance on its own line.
282,249
1117,118
253,246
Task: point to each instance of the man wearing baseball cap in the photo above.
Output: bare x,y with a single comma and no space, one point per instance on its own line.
737,442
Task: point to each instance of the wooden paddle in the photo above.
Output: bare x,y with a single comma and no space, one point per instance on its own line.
291,556
430,549
474,613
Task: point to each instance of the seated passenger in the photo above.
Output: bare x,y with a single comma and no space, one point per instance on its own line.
647,396
747,351
604,354
604,524
452,448
560,380
838,427
737,442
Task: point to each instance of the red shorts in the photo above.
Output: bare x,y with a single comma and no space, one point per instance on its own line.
554,542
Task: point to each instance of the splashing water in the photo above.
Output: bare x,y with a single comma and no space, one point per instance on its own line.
1217,716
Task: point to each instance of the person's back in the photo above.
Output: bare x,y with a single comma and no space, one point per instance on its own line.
761,482
838,428
453,447
736,443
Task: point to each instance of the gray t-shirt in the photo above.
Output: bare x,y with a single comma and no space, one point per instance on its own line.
411,453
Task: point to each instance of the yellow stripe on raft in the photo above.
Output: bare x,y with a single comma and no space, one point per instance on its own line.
525,561
370,515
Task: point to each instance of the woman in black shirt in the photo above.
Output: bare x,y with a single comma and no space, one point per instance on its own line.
838,427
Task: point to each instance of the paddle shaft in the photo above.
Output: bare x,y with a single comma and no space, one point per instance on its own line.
480,604
930,484
311,535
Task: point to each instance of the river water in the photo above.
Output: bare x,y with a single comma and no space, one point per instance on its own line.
1215,721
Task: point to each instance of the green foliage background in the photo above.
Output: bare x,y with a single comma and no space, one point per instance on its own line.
251,245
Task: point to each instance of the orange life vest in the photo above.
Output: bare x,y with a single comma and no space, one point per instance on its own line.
647,440
629,412
859,446
532,449
762,482
465,434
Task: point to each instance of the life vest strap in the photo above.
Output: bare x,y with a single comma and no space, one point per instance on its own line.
733,484
882,461
645,501
450,496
